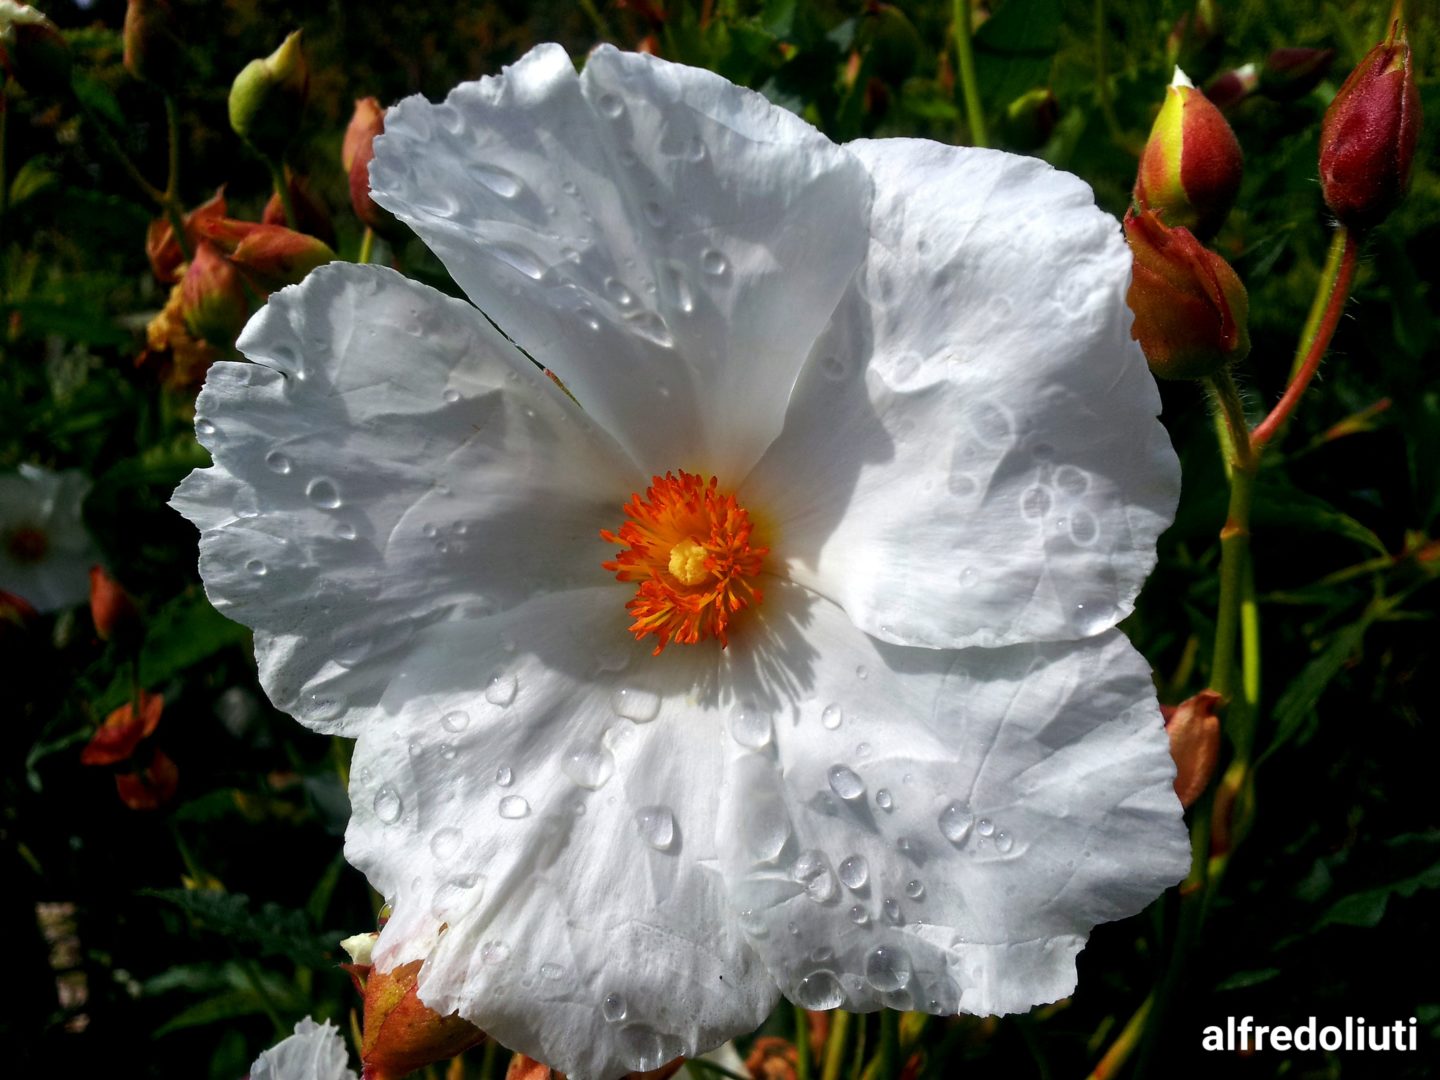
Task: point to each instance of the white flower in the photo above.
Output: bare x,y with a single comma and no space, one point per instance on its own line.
45,552
314,1052
926,763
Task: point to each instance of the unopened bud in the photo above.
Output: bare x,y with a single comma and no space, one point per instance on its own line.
1194,730
162,246
153,52
1191,310
1367,142
111,608
1229,88
32,50
1290,74
1190,169
116,739
151,787
403,1034
1031,118
1195,31
268,95
311,217
356,152
269,256
212,296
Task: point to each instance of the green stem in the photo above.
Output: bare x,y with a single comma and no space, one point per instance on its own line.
367,246
1124,1044
1102,75
969,87
252,976
835,1045
118,153
1234,537
802,1044
889,1044
1325,312
282,189
1249,639
172,135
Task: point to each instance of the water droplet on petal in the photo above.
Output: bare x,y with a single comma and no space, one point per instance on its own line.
494,952
820,990
985,827
892,911
323,493
862,673
888,968
204,427
858,915
714,263
611,105
642,1048
345,531
256,567
504,777
955,822
278,462
914,889
502,183
613,1008
589,767
845,782
388,805
884,800
640,706
1004,842
750,726
656,825
455,720
514,806
1035,502
854,872
445,842
500,690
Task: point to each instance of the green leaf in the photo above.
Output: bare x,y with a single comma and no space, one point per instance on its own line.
1367,908
183,633
1279,505
33,177
1242,979
97,96
270,930
1015,48
1301,696
229,1006
78,321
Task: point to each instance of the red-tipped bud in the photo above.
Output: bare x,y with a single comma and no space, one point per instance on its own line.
1031,118
212,296
1367,141
401,1033
268,96
1194,730
32,50
311,216
151,787
163,249
116,739
1191,310
112,609
1229,88
152,48
269,256
355,156
1290,74
1190,169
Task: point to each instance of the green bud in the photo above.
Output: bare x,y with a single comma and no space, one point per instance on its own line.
267,97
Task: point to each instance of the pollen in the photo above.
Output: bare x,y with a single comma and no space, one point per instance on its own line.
692,552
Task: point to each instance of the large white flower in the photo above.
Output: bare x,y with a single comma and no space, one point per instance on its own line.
924,765
45,552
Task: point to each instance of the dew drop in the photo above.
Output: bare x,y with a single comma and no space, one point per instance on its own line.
862,672
500,690
455,720
618,292
589,767
345,531
858,915
961,483
855,872
494,952
1004,842
831,716
514,806
834,368
278,462
502,183
845,782
680,289
955,822
714,263
750,726
447,751
613,1008
1035,502
656,825
884,800
1072,481
892,910
611,105
820,990
388,805
256,567
323,493
914,889
518,259
205,427
551,971
504,776
985,827
640,706
245,504
888,968
1083,527
445,842
643,1048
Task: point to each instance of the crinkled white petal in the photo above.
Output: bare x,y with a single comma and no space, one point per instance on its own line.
972,456
940,829
668,243
314,1052
388,462
50,502
546,791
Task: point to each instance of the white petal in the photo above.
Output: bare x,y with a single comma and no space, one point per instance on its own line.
941,829
389,461
546,790
668,243
314,1052
972,455
50,502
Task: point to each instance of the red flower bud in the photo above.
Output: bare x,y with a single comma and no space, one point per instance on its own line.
1290,74
212,296
403,1034
355,156
311,216
1229,88
153,52
1191,310
111,608
117,738
1191,165
32,50
1194,731
269,256
151,787
163,250
1367,141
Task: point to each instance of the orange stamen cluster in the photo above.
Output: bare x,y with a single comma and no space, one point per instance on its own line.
690,549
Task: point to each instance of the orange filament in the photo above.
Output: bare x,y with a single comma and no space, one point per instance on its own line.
690,549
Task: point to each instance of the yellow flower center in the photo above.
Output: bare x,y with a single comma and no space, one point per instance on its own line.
689,549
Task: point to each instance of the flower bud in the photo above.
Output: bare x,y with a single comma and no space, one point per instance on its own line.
32,50
151,787
268,256
1229,88
153,52
1290,74
355,156
17,615
212,296
311,217
1191,310
401,1033
1367,141
267,97
116,739
1194,730
1030,119
162,248
1191,165
1195,31
111,608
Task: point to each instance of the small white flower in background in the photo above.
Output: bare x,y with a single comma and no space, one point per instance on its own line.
45,552
924,764
314,1052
